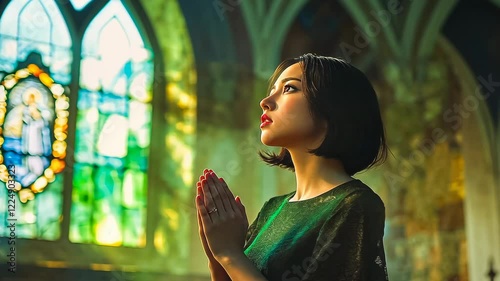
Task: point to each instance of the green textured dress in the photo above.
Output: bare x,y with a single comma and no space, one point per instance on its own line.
336,236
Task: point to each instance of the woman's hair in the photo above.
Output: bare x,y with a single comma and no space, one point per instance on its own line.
342,95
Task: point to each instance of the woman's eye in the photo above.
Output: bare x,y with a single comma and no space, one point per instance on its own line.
288,88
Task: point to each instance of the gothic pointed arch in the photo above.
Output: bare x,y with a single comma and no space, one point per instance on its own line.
35,73
104,56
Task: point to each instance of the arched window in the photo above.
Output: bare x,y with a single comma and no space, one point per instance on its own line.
76,91
112,132
35,63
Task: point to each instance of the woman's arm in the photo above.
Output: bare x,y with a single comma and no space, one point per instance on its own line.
240,268
217,272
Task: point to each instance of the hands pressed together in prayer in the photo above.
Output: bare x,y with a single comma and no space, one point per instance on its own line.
222,222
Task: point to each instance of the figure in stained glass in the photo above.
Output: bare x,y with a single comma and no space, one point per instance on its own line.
36,143
27,132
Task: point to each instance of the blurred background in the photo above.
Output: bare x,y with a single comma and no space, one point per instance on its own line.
110,110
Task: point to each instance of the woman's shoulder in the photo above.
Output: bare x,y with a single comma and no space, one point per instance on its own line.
275,202
354,190
355,194
361,196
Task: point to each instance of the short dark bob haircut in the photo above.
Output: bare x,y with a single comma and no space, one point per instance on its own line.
342,95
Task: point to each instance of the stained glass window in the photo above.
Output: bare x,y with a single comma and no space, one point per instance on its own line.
80,4
33,114
33,25
30,157
113,132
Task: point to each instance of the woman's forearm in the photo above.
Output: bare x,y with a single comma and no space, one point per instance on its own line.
217,272
240,268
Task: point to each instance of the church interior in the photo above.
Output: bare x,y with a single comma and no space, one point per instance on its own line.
127,102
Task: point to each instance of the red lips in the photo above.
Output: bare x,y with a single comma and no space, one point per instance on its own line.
265,120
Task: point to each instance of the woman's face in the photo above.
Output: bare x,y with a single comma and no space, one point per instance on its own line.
290,123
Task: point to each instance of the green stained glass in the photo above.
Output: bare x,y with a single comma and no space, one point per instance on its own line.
134,190
48,210
87,119
134,203
4,206
82,204
107,208
114,126
40,218
139,136
84,144
134,235
26,219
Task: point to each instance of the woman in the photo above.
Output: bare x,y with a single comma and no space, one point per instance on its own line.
324,114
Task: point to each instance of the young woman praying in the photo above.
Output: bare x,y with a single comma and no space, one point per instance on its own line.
324,115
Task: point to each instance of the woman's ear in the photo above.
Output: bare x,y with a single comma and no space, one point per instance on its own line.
322,125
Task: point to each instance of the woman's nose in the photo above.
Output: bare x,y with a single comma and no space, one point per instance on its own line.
266,103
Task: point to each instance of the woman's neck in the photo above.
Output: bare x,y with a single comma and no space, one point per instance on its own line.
316,175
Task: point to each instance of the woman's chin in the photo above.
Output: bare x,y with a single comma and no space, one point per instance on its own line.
269,141
264,140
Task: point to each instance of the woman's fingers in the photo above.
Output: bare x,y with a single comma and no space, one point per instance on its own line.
200,223
208,198
230,196
240,205
204,189
242,210
204,216
202,231
199,190
218,195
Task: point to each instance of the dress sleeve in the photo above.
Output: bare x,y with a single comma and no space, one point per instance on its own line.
350,243
251,229
251,232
